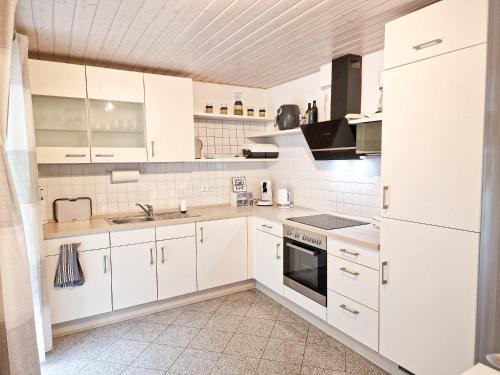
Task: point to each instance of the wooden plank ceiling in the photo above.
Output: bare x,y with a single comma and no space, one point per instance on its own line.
258,43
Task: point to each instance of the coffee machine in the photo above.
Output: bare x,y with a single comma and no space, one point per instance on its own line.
266,193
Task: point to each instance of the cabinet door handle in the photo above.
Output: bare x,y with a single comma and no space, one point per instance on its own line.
384,278
346,308
105,263
151,261
201,232
267,226
104,155
345,251
278,256
162,254
354,273
75,155
153,148
430,43
385,191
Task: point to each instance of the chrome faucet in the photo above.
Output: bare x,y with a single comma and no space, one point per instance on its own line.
147,208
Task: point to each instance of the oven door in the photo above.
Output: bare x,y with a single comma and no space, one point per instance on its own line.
304,270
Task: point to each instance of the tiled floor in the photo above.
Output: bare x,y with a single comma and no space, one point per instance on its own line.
243,333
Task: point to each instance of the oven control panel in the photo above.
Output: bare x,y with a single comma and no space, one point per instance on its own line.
305,236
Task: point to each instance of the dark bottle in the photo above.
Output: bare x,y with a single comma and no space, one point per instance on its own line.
308,113
314,111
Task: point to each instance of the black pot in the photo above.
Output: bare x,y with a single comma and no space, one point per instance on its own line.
288,116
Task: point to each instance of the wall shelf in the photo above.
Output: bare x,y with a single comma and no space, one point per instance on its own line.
232,160
216,116
277,133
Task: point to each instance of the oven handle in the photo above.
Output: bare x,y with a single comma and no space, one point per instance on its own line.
310,252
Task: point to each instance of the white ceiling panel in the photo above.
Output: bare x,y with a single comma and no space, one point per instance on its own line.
258,43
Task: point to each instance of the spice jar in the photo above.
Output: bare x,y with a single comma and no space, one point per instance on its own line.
262,112
209,108
250,111
238,104
223,109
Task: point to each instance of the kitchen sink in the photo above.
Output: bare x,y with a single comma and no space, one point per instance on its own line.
144,219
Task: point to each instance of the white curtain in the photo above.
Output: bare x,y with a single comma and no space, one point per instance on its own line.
18,347
21,153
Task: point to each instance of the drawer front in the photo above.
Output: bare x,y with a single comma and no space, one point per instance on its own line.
354,281
118,154
129,237
269,226
354,253
175,231
87,242
62,155
442,27
355,320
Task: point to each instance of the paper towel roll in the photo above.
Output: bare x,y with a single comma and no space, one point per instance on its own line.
125,176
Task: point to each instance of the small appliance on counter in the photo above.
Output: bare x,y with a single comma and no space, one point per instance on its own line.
258,150
266,193
288,117
72,209
284,199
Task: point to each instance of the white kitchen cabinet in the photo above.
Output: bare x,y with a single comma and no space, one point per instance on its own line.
134,274
91,298
428,297
222,252
268,260
57,79
169,118
435,30
176,267
433,139
115,85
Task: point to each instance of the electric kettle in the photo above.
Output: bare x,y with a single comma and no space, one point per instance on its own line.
284,199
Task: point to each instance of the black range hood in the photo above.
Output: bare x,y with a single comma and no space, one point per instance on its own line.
336,139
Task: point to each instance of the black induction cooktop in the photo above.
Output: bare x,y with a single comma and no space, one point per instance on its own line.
325,221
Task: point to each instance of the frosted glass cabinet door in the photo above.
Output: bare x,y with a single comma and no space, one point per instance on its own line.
117,131
61,129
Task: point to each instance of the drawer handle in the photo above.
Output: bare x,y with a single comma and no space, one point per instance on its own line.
384,279
105,264
75,155
153,148
353,253
354,273
162,254
104,155
151,261
278,251
430,43
352,311
267,226
201,233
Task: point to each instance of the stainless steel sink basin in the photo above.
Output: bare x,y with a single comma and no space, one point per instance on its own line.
143,219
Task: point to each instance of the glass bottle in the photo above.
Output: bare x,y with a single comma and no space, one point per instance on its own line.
238,104
308,113
314,111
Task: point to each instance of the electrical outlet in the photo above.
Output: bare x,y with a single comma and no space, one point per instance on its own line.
206,188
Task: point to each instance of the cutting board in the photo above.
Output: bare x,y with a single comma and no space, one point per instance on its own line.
72,209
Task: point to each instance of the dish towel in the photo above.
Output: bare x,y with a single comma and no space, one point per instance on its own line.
69,271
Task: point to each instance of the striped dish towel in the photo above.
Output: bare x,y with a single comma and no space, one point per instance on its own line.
69,271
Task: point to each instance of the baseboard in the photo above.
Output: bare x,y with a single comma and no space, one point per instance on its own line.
348,341
75,326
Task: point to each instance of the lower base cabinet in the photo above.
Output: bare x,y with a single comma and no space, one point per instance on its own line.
222,252
92,298
134,274
176,267
268,261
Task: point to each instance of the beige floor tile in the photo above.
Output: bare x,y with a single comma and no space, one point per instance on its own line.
158,357
165,317
194,362
191,318
89,347
63,366
207,306
141,371
284,351
320,371
263,311
145,331
256,327
247,296
211,340
324,357
286,315
177,336
234,308
357,364
246,345
296,331
318,337
267,367
102,368
224,322
235,365
116,329
123,352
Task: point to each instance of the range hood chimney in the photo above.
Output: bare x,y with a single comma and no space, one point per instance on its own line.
336,139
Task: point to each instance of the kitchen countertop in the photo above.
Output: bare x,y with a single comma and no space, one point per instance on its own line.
365,235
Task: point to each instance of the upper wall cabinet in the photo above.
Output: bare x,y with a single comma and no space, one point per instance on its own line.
116,115
414,37
112,84
59,112
169,118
